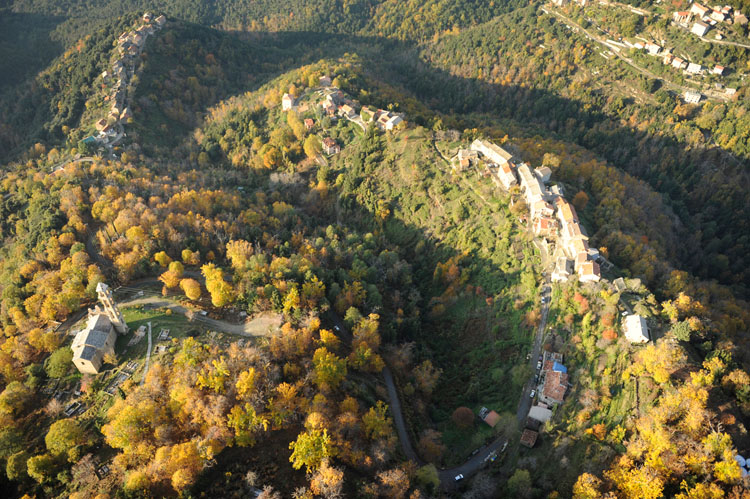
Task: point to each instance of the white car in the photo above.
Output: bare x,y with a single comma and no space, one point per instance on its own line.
459,477
533,392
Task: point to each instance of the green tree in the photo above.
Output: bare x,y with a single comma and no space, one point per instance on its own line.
376,422
64,438
312,146
41,468
428,478
58,364
310,449
14,398
15,468
519,485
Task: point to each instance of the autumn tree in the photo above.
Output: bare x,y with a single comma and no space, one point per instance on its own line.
329,370
221,291
191,288
463,417
310,449
327,481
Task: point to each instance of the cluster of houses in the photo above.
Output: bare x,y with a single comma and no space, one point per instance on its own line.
552,217
700,19
129,45
335,104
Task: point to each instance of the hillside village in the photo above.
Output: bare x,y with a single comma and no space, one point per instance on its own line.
116,81
674,48
330,102
562,237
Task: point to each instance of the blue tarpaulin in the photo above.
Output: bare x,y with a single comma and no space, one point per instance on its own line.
559,367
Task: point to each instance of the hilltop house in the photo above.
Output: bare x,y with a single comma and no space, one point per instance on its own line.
694,68
465,158
287,102
718,70
347,110
330,146
492,152
534,190
324,81
506,176
97,339
636,330
309,123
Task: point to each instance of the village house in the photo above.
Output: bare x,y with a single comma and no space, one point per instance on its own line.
555,376
740,18
98,338
636,330
653,49
698,9
107,131
540,413
717,16
700,28
287,102
393,122
147,17
101,124
491,152
465,158
309,123
589,271
347,110
678,63
692,97
694,68
506,176
544,173
330,146
534,190
718,70
545,226
682,16
489,417
668,58
529,437
563,269
324,81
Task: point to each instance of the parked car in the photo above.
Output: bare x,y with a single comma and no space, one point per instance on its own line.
532,394
459,477
539,364
536,379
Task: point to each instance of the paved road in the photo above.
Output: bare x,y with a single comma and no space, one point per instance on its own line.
525,403
148,355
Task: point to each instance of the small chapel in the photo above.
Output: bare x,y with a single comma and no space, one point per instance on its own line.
98,338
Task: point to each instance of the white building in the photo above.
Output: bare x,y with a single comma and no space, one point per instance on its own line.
700,28
692,97
287,102
694,68
636,330
492,152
